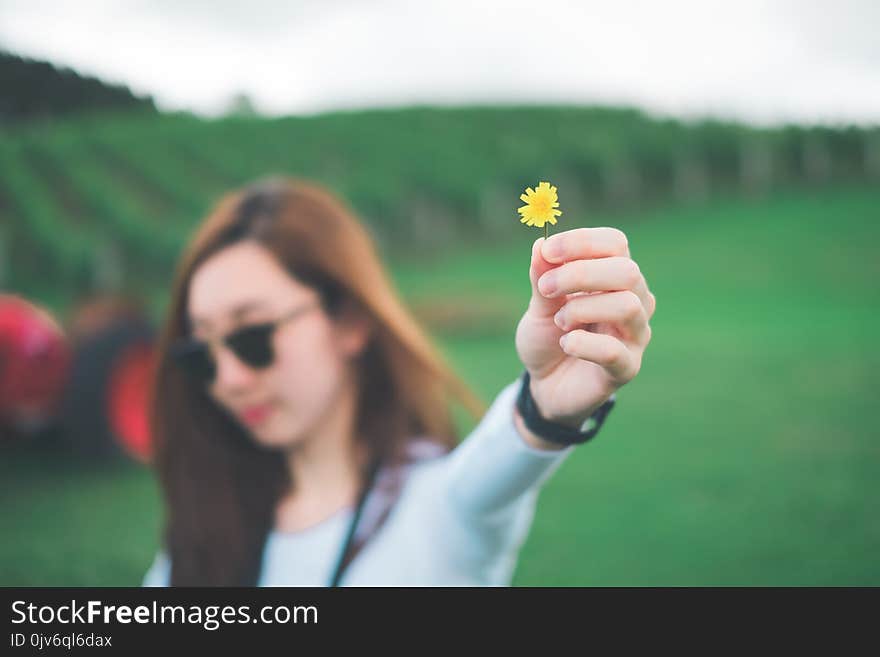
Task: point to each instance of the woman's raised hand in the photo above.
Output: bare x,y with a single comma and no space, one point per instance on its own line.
587,323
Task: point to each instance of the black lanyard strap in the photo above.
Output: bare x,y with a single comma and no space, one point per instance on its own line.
343,560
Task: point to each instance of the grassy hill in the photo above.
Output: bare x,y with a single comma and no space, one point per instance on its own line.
107,201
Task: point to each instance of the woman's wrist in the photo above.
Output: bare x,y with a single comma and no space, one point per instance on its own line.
571,421
555,428
531,438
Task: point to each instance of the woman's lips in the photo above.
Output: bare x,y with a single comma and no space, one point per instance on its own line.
254,415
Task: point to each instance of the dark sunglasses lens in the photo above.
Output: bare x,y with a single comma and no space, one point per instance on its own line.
253,345
195,358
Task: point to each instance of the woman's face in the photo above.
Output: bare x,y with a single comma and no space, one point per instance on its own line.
242,285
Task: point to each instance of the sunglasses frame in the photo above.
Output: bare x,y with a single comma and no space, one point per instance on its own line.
183,351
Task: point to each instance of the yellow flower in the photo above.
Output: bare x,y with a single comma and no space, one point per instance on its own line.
540,204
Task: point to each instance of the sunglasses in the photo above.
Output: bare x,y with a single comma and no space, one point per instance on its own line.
252,345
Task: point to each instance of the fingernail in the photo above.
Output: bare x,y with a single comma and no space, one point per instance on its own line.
551,249
557,318
547,283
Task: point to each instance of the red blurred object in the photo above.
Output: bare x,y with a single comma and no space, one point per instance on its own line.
104,409
128,399
89,387
34,363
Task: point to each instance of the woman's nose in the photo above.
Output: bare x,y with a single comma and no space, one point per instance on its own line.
232,373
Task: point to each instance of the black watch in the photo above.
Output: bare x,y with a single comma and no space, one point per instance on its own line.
558,433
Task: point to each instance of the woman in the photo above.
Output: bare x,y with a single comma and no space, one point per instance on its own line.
301,417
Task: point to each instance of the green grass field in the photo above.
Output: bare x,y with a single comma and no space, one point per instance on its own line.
745,453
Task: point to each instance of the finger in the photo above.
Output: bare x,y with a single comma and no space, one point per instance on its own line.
538,267
601,275
585,243
604,350
649,301
623,309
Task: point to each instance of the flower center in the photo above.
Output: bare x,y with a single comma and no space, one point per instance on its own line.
541,204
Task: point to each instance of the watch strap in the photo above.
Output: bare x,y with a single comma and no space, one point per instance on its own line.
558,433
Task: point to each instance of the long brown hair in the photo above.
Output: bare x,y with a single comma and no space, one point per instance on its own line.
220,486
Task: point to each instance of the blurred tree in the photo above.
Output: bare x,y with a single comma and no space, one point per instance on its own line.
241,104
872,155
817,164
756,165
34,89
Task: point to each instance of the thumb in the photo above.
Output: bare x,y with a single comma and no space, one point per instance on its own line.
540,304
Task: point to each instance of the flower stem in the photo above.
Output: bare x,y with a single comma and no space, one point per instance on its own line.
545,232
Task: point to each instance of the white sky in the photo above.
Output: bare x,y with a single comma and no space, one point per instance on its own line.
764,61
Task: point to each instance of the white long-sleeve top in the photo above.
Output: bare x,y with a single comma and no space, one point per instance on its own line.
460,519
